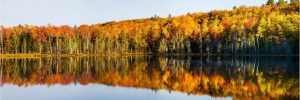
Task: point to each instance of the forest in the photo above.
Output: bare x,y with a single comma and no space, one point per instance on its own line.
272,28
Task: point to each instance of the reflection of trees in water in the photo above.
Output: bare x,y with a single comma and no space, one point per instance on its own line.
239,77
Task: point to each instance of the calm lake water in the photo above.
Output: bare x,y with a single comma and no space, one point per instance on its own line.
150,77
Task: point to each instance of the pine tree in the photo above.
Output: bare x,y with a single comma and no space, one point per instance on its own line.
270,2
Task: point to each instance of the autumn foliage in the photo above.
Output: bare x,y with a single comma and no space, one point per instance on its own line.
268,29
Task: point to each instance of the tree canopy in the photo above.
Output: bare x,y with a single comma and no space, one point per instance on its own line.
268,29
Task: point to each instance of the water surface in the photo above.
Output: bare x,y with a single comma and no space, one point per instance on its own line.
150,77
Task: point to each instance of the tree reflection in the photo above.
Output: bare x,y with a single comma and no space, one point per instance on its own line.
239,77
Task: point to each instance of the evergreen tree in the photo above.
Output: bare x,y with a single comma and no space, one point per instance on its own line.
270,2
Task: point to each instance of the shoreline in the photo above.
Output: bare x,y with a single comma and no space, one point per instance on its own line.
36,55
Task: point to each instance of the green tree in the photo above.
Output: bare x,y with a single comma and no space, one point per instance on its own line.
281,2
294,1
271,2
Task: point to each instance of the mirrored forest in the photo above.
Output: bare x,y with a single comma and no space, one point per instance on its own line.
251,77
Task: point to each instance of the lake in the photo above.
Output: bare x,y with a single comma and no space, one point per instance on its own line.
150,77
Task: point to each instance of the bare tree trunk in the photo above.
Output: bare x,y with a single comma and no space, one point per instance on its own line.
40,47
257,46
56,51
70,47
201,45
16,49
87,45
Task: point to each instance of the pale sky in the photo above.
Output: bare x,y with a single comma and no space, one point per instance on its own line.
71,12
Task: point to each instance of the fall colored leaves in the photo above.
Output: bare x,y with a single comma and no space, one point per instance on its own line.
244,30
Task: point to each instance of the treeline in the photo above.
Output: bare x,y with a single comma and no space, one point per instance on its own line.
269,29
